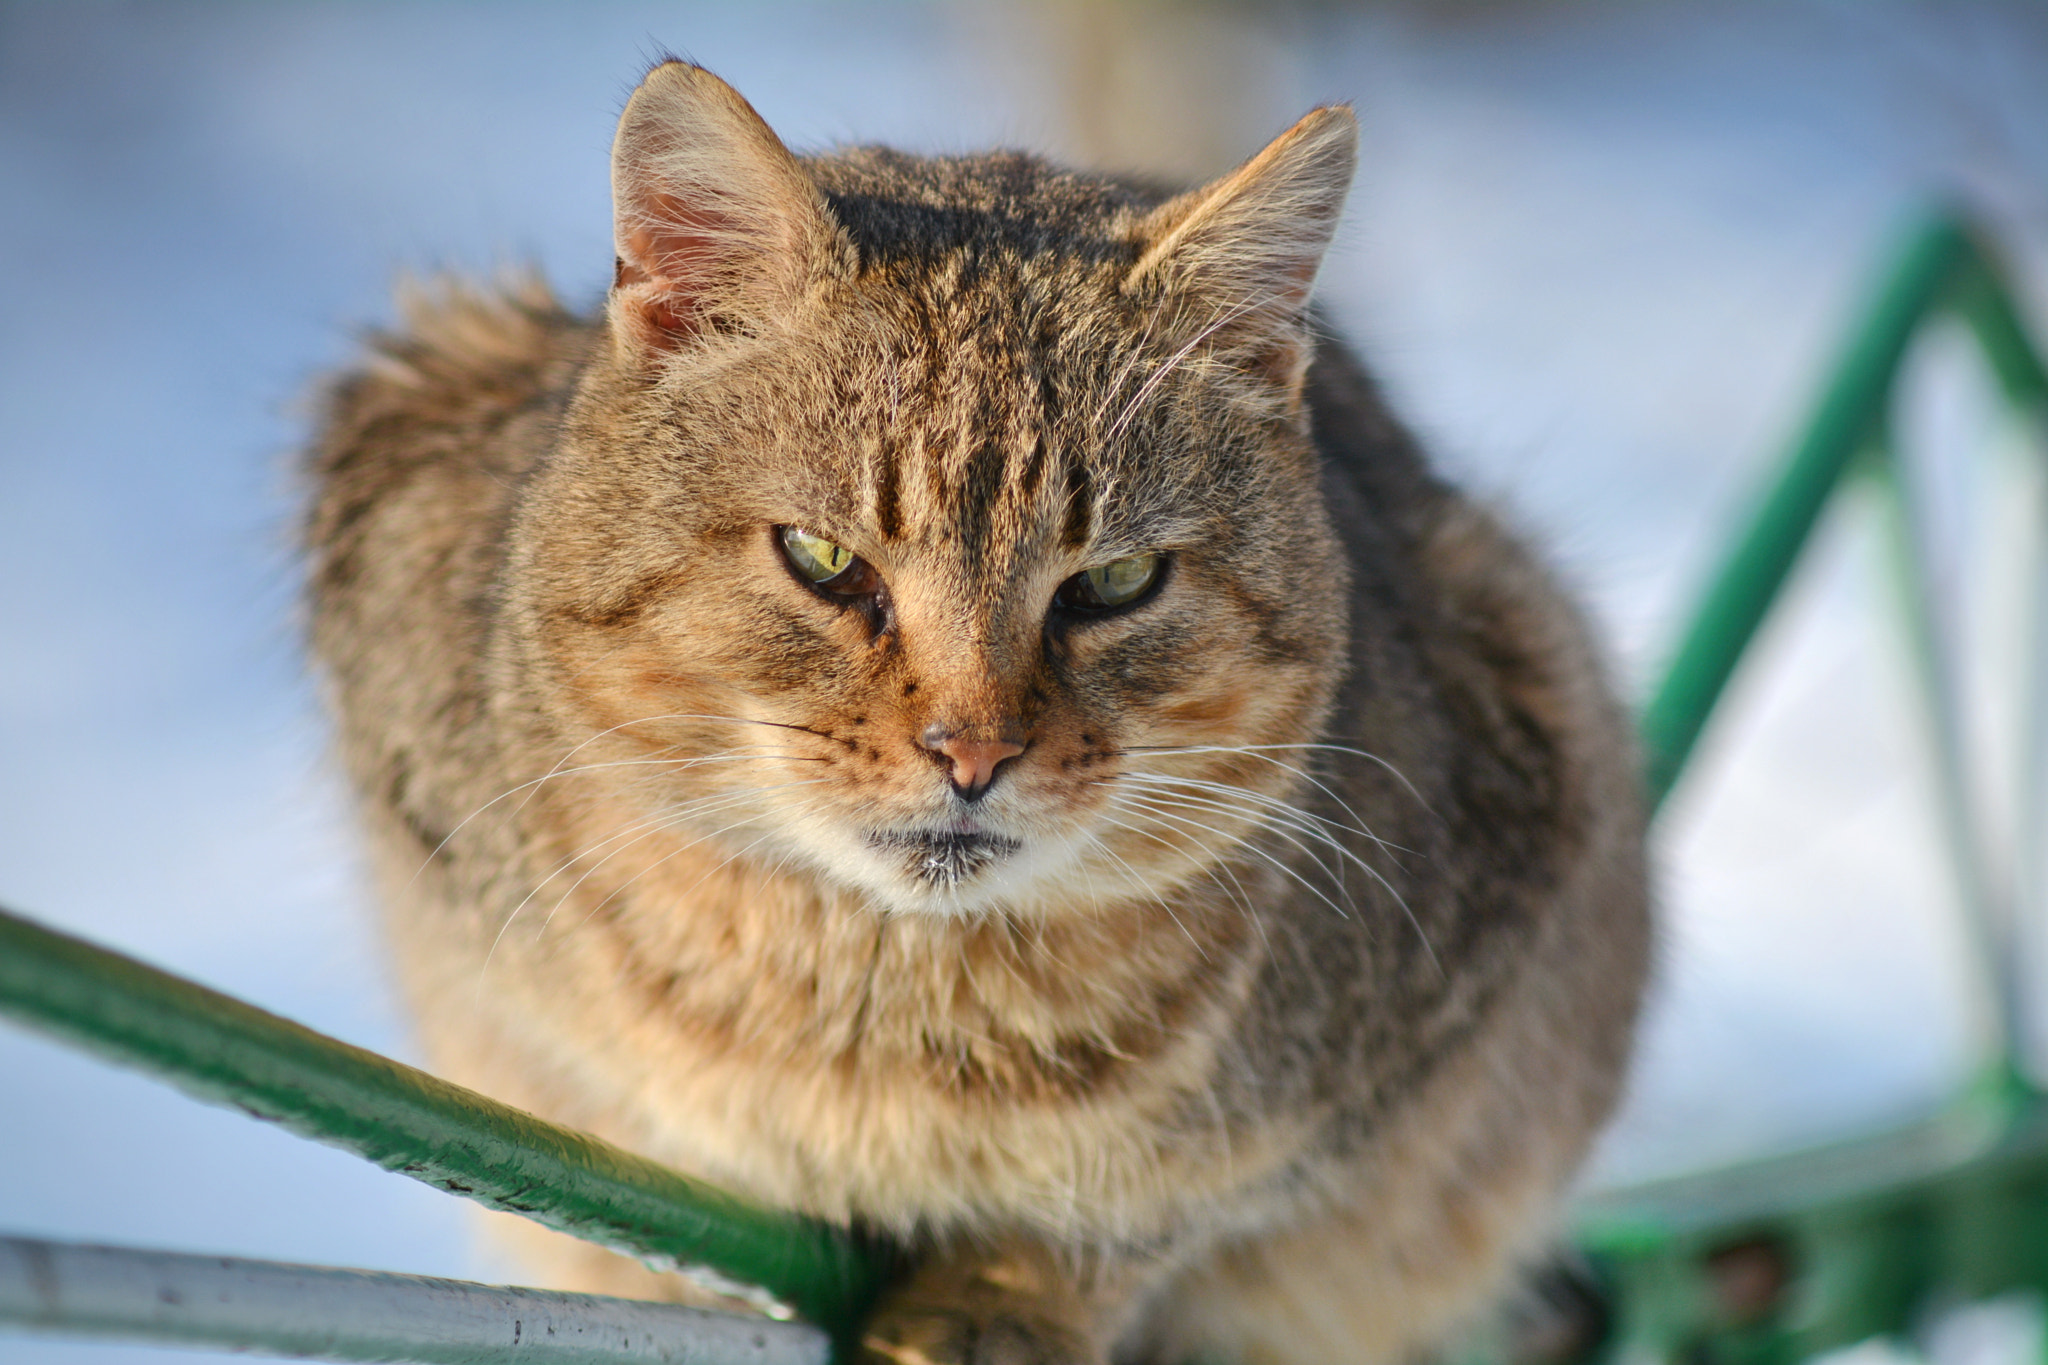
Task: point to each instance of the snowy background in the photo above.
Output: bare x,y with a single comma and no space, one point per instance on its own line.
1601,253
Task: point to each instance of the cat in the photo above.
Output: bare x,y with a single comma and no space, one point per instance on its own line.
951,705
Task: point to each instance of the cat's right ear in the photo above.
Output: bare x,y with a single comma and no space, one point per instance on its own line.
713,220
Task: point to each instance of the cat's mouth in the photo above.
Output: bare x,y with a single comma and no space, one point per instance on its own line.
943,857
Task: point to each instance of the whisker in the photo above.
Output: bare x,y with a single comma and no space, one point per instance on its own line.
1278,863
649,720
1255,751
658,862
686,715
1288,820
1307,819
1216,869
681,715
723,756
1258,749
1131,358
640,829
1280,821
1152,381
1335,875
1414,921
1163,903
669,820
657,758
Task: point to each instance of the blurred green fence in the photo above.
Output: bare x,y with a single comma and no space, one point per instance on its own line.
1789,1257
1766,1262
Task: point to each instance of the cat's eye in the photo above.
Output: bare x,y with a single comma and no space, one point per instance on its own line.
826,565
1119,583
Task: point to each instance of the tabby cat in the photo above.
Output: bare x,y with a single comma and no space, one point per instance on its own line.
951,706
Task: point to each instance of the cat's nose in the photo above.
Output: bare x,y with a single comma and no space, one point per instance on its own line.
973,761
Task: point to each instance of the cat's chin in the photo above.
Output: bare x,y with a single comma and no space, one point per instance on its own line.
944,858
954,870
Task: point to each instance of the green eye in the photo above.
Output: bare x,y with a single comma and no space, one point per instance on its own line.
1115,584
815,557
832,567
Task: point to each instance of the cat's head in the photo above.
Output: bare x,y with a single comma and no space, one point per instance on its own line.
946,528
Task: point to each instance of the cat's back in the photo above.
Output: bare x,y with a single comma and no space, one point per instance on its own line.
420,451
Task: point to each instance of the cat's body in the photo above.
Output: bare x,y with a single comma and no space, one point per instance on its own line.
1235,966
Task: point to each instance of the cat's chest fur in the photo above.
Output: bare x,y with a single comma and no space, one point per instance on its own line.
792,1044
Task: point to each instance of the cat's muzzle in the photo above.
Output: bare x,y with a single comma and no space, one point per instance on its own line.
944,857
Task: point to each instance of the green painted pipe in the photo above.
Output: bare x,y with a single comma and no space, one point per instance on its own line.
1943,268
218,1049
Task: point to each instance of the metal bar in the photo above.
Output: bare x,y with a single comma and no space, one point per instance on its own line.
1864,1234
319,1313
1850,411
221,1050
1986,904
1985,302
2030,808
1988,308
1945,267
1851,1241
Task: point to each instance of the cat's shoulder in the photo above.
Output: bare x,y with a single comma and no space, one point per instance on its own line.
464,358
420,442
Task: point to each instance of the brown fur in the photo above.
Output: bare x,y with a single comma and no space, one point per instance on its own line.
1290,965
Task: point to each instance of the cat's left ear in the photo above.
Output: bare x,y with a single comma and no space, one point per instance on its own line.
1234,261
714,221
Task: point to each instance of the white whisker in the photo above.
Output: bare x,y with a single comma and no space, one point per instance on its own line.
1163,904
641,829
1173,362
672,764
1319,826
1292,821
1157,813
1256,750
668,820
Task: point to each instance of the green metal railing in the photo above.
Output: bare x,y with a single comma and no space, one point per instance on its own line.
1766,1262
218,1049
1943,271
1773,1261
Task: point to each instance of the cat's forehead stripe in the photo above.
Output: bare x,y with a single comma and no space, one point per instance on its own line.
977,499
974,427
1077,526
886,513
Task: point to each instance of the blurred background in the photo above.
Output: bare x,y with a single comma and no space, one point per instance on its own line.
1601,254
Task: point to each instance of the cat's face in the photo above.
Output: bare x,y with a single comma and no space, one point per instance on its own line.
965,574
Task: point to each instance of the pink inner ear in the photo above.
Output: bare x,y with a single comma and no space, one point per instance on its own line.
674,258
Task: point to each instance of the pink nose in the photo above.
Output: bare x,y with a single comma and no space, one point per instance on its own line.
973,760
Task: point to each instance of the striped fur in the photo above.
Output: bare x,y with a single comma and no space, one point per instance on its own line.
1264,1000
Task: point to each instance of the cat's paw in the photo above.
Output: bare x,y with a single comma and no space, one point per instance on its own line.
1001,1313
963,1336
